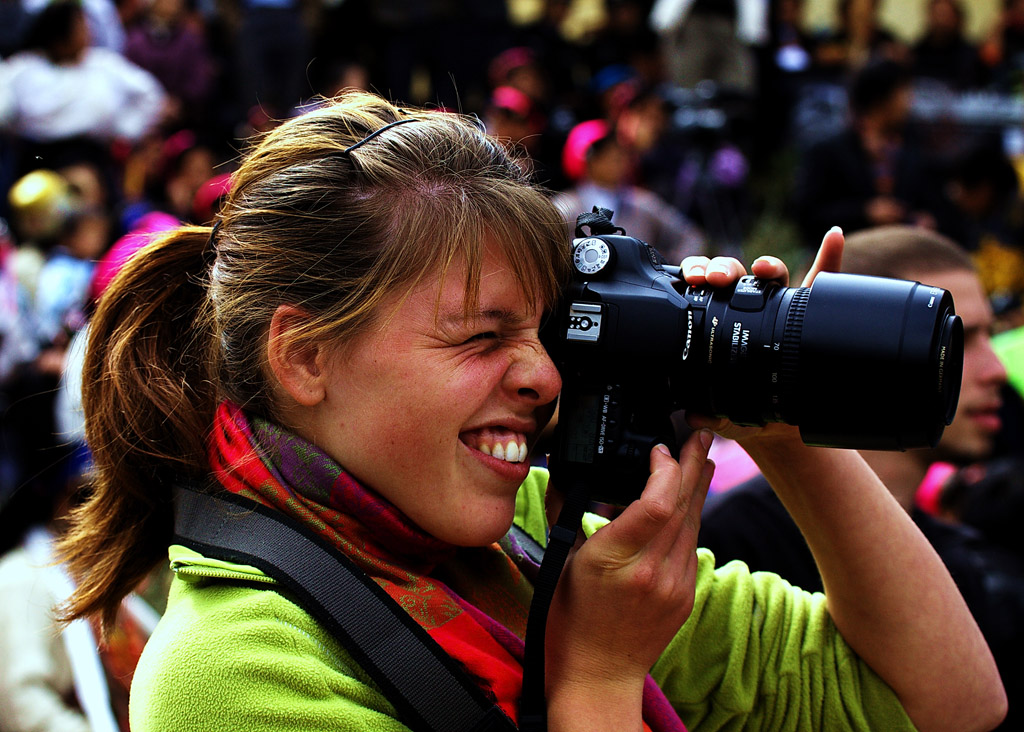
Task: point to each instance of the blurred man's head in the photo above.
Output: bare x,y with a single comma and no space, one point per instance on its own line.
919,254
879,93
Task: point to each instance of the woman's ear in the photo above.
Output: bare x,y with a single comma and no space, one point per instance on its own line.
298,366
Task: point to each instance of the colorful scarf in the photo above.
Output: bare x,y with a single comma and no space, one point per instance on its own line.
256,459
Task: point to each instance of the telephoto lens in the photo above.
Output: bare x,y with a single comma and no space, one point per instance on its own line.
855,361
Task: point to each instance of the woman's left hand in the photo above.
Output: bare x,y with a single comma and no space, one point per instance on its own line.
724,271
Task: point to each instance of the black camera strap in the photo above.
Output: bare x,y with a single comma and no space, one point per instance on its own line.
561,538
430,690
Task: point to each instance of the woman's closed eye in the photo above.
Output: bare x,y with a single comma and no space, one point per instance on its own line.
482,336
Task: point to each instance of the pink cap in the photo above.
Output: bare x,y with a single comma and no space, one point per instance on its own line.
581,137
510,98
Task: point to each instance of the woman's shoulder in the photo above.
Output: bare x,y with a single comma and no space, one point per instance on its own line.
235,655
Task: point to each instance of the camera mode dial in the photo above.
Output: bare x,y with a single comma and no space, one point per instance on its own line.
591,255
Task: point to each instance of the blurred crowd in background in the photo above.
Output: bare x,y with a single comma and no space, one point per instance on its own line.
707,126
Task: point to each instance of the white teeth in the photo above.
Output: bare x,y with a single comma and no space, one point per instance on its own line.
512,452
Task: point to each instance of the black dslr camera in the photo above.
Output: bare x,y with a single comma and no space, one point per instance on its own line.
854,361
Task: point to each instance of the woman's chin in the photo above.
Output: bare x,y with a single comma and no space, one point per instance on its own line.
479,528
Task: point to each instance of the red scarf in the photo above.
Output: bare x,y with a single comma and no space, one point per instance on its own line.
257,459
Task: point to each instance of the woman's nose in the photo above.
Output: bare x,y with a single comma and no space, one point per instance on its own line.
533,374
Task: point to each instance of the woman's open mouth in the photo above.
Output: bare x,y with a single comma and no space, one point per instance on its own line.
498,443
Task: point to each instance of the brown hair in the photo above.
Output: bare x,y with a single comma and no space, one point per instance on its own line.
307,222
900,251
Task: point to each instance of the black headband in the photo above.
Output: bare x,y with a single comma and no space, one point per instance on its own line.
210,252
373,134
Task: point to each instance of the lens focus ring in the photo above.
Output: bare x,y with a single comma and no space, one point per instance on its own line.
789,358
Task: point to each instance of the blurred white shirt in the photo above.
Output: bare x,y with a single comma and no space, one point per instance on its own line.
105,97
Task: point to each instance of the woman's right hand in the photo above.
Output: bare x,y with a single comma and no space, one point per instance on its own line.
624,594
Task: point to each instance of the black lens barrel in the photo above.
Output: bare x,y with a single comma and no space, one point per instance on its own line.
877,365
855,361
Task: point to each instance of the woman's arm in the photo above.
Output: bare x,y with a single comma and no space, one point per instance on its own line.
887,590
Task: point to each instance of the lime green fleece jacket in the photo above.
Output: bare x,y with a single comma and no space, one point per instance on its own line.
234,653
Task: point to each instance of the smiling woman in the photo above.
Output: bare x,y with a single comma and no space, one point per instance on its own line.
448,396
355,346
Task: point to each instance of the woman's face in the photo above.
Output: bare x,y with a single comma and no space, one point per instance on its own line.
437,410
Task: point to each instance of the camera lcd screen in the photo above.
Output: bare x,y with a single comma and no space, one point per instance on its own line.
582,431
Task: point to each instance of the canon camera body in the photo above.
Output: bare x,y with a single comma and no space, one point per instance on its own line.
854,361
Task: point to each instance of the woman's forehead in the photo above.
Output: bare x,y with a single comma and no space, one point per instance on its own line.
492,289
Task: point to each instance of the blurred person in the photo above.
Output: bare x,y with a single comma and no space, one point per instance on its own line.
983,191
520,68
644,125
165,173
561,99
50,679
626,38
18,349
331,79
857,40
186,171
874,171
602,168
986,216
943,53
41,202
62,291
698,169
106,27
1002,50
271,43
69,416
701,41
168,42
748,522
67,235
989,497
60,97
611,87
56,677
62,90
82,232
512,117
538,50
332,62
785,64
